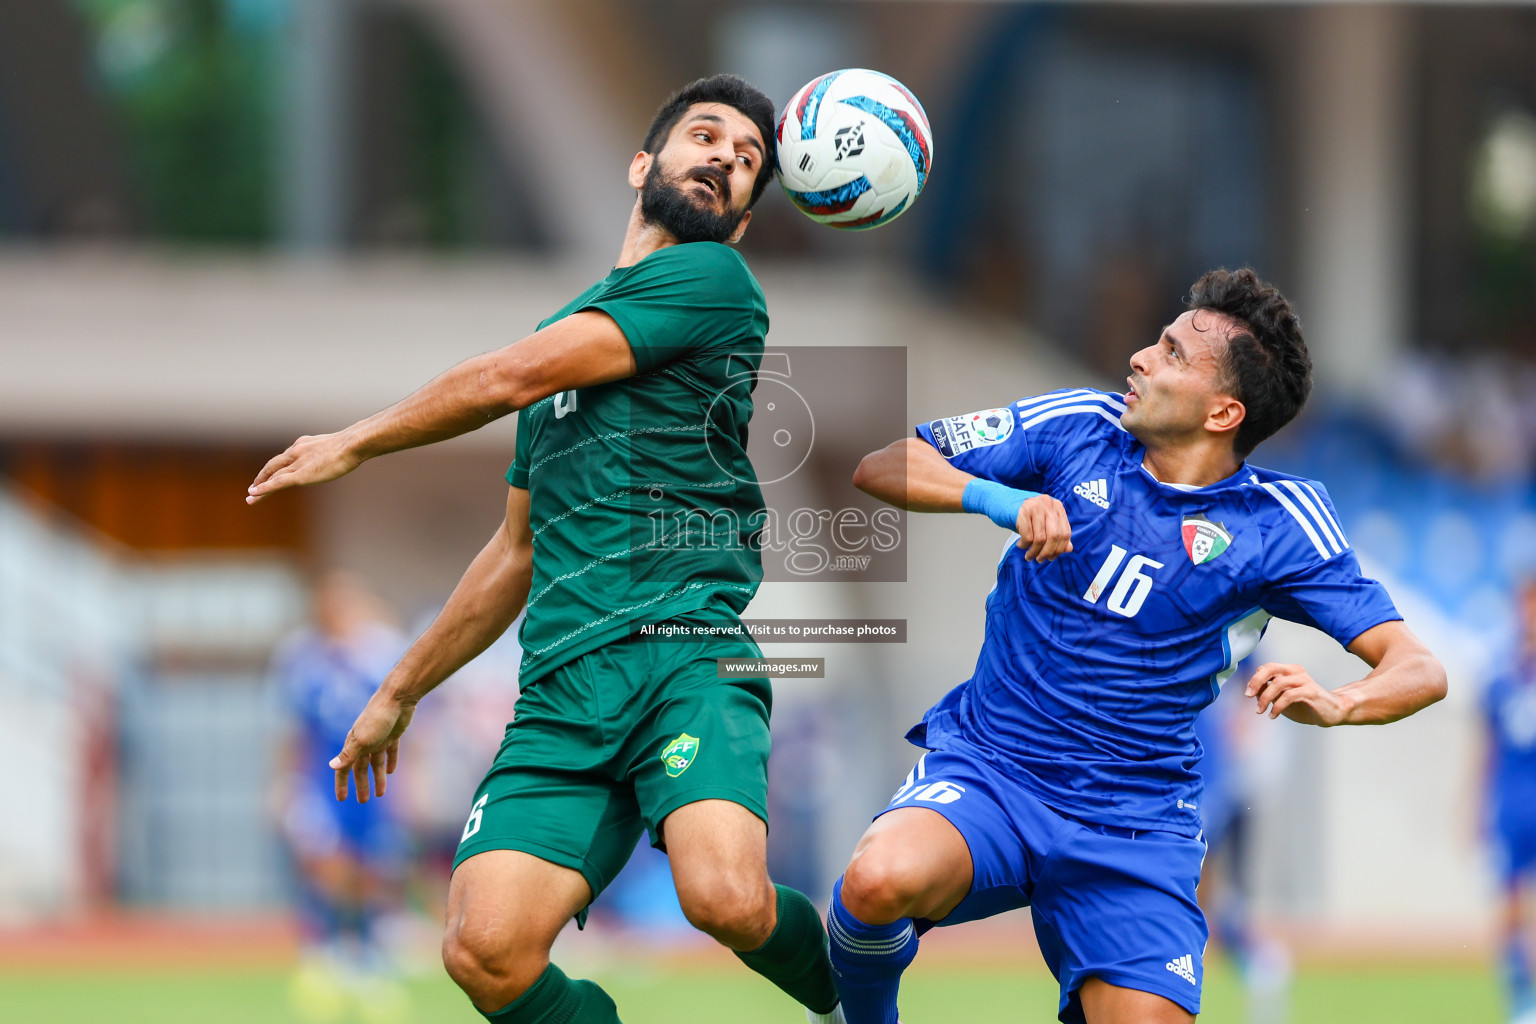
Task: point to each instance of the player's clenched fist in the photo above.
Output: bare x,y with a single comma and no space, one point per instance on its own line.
1291,691
309,460
1045,532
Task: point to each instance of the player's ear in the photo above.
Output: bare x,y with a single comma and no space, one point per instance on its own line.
741,228
1226,415
639,167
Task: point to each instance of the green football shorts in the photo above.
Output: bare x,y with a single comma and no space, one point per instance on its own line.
608,745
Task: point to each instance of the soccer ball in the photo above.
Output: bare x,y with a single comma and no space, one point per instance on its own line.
855,149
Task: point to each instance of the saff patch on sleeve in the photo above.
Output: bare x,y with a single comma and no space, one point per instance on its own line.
958,434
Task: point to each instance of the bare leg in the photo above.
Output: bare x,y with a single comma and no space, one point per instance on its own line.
1104,1003
505,909
719,854
910,862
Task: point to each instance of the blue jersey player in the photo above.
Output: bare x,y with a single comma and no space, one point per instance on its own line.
349,859
1509,705
1061,775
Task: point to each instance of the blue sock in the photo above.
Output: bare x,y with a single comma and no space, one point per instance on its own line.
1517,972
1229,922
867,960
318,917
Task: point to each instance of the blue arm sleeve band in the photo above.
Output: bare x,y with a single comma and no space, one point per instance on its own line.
998,502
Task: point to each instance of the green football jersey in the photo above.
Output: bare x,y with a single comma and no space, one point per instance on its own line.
642,501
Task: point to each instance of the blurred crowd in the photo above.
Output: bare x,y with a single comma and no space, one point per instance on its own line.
1471,414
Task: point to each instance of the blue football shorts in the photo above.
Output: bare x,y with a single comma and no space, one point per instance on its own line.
1514,850
1107,902
317,825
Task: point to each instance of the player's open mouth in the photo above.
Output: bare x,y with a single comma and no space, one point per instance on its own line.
708,183
1130,389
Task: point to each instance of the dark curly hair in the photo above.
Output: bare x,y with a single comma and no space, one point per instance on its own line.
1265,365
732,91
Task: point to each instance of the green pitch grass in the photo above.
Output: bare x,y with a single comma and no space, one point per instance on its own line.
726,992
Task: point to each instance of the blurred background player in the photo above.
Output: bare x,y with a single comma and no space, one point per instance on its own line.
1510,708
348,860
1229,747
453,737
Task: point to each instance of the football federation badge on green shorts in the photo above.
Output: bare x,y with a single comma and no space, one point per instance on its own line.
1203,539
679,754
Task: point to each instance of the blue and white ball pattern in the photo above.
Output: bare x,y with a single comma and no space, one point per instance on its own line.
855,149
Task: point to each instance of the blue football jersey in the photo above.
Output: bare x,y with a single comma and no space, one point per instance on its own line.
324,685
1510,706
1095,665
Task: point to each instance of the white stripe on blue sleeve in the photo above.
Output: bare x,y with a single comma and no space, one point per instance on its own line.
1107,414
1030,406
1324,506
1317,519
1055,397
1296,513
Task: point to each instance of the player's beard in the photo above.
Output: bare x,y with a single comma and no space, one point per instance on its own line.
665,203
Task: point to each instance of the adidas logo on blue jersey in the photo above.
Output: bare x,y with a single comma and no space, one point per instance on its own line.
1096,491
1184,967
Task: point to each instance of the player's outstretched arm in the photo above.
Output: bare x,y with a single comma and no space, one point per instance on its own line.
580,351
911,474
1405,677
488,597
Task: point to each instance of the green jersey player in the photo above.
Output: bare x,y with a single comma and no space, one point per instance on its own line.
630,431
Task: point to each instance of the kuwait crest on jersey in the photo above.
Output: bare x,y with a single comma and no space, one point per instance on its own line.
1203,539
679,754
